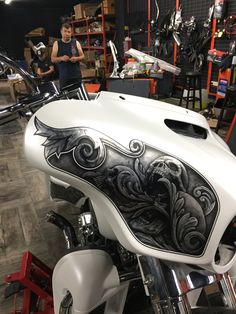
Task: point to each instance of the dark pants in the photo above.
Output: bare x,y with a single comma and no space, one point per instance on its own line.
67,82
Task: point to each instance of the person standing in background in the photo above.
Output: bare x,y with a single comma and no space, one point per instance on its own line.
45,69
67,54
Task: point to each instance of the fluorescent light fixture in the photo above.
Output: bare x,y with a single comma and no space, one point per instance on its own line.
8,1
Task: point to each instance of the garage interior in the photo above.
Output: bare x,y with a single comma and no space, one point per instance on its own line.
195,40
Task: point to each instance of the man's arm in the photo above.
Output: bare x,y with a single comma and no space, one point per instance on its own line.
42,74
54,57
81,53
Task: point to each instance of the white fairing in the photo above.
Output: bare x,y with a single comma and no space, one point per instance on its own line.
124,118
89,275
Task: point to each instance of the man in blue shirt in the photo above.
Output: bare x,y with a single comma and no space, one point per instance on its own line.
67,54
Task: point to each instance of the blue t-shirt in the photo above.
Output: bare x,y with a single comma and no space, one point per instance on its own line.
68,70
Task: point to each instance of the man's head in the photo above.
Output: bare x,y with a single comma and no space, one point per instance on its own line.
66,32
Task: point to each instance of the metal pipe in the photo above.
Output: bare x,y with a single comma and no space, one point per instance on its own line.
129,276
228,290
66,227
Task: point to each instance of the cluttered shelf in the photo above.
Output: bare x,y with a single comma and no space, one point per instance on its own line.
94,27
91,18
93,33
92,47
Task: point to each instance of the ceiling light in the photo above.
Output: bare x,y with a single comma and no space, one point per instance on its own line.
8,1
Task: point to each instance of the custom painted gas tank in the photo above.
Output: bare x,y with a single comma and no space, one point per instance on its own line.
160,181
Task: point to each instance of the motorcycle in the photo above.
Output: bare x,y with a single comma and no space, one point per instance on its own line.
37,94
160,204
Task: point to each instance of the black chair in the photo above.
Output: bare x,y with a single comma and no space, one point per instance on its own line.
192,83
229,105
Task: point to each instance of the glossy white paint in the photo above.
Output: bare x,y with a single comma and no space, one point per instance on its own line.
124,118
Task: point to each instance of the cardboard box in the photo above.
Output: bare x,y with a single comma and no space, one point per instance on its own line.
89,55
88,73
109,6
109,57
27,55
107,3
37,32
108,26
51,40
85,9
109,10
212,123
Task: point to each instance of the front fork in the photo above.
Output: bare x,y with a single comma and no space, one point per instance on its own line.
168,283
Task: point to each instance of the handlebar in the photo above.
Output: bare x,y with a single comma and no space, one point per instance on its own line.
39,95
29,105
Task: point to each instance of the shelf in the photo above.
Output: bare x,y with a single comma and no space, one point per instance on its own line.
86,19
94,33
88,33
92,48
103,33
93,18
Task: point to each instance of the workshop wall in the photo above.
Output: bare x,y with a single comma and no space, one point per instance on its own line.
136,20
16,22
199,9
223,42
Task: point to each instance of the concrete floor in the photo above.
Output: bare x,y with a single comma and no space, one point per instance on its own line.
24,202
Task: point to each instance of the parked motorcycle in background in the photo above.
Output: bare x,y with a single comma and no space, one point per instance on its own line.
159,210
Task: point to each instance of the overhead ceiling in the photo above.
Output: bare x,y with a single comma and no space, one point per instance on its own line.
47,3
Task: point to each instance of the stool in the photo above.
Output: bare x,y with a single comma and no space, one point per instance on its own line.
229,105
192,83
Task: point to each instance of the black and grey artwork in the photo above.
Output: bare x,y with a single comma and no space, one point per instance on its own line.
166,204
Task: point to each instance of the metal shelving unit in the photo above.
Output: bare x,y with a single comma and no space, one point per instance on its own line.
102,35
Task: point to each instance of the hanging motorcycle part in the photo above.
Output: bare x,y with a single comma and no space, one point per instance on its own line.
35,280
220,9
196,39
161,37
176,23
168,283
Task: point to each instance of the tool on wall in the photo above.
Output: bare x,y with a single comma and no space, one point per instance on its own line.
196,37
162,38
176,23
220,9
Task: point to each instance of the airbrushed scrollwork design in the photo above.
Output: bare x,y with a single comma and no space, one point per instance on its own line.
166,204
87,145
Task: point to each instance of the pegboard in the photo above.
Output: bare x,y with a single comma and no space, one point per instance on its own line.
137,18
198,8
